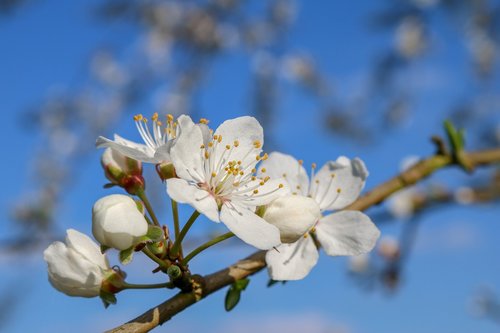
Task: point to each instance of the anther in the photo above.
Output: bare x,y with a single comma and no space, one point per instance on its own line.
236,143
203,121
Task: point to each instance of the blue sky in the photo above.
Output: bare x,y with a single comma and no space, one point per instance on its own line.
45,45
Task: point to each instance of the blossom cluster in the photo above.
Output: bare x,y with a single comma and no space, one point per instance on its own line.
266,200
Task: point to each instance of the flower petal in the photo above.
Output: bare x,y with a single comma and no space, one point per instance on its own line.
292,261
280,165
338,184
293,215
86,247
184,192
347,233
128,148
249,227
245,130
186,152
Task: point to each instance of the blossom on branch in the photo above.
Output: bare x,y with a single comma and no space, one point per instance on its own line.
336,185
217,177
76,267
157,142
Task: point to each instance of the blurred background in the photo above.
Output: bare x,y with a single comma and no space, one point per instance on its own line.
373,79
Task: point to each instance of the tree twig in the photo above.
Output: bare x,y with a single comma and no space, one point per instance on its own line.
204,286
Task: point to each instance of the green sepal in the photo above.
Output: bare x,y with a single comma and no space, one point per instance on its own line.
104,248
272,282
155,233
107,298
109,185
126,255
233,294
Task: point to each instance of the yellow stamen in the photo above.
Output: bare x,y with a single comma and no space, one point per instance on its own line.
203,121
155,116
138,117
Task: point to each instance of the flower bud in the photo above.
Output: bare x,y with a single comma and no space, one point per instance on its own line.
293,215
117,223
76,267
122,170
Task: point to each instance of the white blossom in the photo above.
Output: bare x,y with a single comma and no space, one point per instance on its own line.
216,177
116,222
76,267
157,142
336,185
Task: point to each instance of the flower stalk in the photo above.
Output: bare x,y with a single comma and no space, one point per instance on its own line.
142,195
176,248
206,245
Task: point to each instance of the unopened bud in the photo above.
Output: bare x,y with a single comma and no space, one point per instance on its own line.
122,170
174,272
166,170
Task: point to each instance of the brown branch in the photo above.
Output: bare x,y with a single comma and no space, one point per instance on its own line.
256,262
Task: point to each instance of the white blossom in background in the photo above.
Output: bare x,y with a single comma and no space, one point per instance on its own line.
464,195
410,37
158,140
117,222
216,177
389,248
359,264
76,267
401,204
336,185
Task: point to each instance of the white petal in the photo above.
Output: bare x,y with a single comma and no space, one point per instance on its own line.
128,148
184,192
70,273
292,261
280,165
186,153
249,227
347,233
293,215
338,184
82,244
245,130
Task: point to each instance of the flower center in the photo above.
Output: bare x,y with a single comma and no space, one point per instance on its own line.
159,134
225,175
